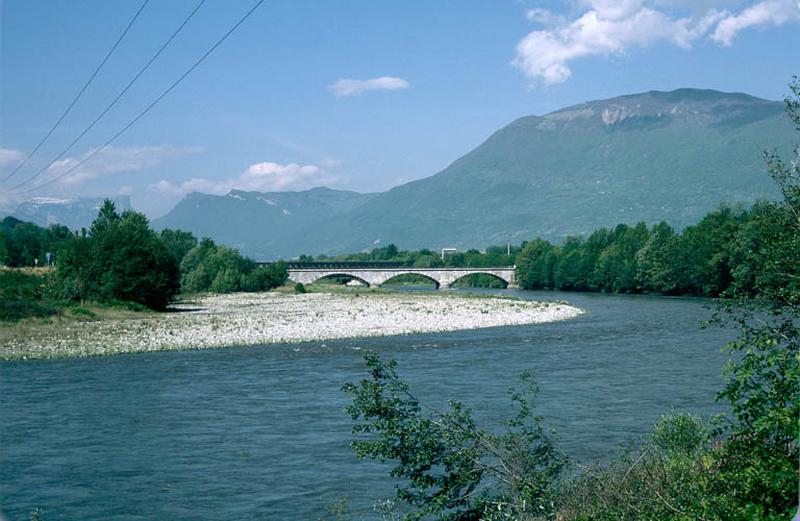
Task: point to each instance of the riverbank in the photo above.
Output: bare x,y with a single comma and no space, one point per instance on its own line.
266,318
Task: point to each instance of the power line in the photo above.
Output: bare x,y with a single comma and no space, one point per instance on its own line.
80,93
115,100
151,105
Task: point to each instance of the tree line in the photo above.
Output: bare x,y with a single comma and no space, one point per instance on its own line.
726,253
120,258
426,258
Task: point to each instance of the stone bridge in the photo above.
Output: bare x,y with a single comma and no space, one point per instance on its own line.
375,276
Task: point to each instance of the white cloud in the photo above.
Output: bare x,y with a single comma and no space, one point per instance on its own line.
113,160
348,87
762,14
9,156
612,27
541,16
259,177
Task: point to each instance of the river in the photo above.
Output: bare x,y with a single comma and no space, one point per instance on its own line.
260,432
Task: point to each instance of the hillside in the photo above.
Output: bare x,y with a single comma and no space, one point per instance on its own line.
72,213
654,156
261,225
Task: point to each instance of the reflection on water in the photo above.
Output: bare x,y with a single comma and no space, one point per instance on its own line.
260,432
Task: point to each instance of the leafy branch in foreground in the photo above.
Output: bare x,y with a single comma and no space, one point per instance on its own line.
762,447
450,468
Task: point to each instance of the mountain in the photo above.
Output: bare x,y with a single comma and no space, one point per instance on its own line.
261,225
72,213
653,156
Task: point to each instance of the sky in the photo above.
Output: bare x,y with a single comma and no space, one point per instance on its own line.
350,94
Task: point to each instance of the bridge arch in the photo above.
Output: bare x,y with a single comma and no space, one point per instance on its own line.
387,281
348,276
506,283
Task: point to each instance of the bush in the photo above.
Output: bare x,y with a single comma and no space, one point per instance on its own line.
18,285
14,310
680,433
299,288
450,468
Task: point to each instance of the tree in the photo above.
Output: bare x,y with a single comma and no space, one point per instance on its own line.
3,250
763,379
449,468
705,250
656,261
178,243
105,217
208,267
138,267
536,264
120,259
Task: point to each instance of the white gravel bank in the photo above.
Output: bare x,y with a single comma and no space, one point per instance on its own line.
266,318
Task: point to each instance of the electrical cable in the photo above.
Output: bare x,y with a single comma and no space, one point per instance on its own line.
80,93
115,100
151,105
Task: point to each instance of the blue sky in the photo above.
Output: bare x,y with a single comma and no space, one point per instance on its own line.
360,95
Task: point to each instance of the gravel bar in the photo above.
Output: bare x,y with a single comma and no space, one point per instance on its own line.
243,319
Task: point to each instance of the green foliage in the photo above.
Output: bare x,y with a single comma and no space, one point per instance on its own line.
3,251
726,253
208,267
12,310
680,433
448,467
25,244
763,378
425,258
120,259
178,243
21,295
536,265
299,288
16,284
656,270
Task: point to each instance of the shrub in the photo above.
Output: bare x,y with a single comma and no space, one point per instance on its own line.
680,433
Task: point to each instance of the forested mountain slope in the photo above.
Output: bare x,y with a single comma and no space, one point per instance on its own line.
653,156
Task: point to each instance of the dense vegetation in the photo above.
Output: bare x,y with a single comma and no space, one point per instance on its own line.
425,258
24,295
740,466
720,255
219,269
26,244
119,259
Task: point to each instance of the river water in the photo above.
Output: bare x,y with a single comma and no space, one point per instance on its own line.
260,432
